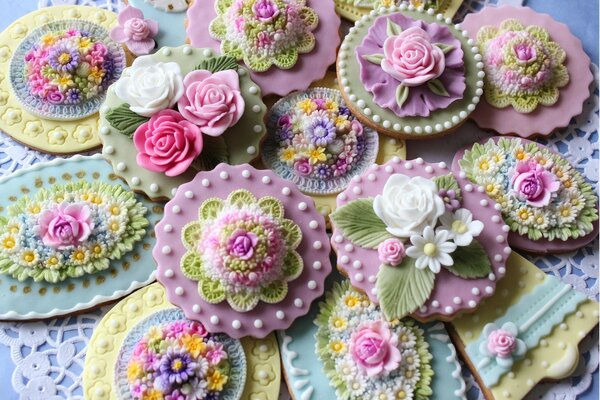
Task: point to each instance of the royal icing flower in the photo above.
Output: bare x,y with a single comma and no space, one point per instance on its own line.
65,225
265,10
242,244
461,226
408,205
501,345
449,198
412,58
149,86
524,67
431,249
534,184
375,348
136,32
212,101
391,251
167,143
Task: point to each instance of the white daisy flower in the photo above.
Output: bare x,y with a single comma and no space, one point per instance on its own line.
432,250
461,226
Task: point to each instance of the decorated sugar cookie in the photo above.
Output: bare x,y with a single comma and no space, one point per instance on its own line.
409,73
285,44
241,250
527,332
180,111
355,9
537,74
145,348
135,31
546,202
167,15
408,360
72,236
419,240
56,65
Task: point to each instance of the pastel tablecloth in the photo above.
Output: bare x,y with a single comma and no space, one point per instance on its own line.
44,360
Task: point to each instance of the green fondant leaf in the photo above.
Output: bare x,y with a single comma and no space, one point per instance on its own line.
125,120
401,94
211,291
374,58
403,289
217,64
272,206
210,208
190,234
191,266
274,293
471,261
437,87
240,198
242,300
292,233
448,182
214,152
446,48
359,223
293,266
393,29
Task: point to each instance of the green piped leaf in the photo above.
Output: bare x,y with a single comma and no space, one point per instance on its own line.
191,234
292,233
403,289
401,95
374,58
218,64
211,291
293,266
471,262
393,29
243,300
448,182
125,120
446,48
274,293
210,208
191,266
272,206
437,87
359,223
241,197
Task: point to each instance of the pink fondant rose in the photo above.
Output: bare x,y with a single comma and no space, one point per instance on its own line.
534,184
241,244
212,101
65,225
391,251
136,32
525,53
374,348
265,10
167,143
412,58
501,343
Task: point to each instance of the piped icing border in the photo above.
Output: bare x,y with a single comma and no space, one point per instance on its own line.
385,120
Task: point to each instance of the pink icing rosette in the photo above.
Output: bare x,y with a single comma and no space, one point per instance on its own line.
534,184
136,32
65,225
212,101
375,348
391,251
167,143
501,343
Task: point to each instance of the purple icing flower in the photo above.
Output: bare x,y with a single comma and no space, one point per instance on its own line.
450,200
136,32
265,10
64,58
320,131
303,167
73,96
65,225
323,171
344,111
285,120
341,166
177,366
525,53
241,244
534,184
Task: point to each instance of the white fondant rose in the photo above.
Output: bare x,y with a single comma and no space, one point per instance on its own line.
408,205
149,86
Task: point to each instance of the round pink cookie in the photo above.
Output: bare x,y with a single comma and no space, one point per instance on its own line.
264,318
310,66
544,119
451,294
541,246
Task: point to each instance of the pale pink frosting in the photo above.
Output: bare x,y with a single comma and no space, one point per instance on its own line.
374,348
167,143
501,343
534,184
412,58
65,225
391,251
212,101
134,31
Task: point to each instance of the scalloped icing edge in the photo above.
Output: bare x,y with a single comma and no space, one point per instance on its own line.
96,300
557,352
94,388
353,13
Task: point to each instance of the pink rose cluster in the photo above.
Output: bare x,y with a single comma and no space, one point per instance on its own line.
501,343
65,225
136,32
534,184
374,348
170,141
412,58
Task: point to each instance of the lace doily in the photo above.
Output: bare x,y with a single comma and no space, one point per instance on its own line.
47,357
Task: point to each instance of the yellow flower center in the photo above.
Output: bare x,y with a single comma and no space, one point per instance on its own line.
484,165
339,323
565,212
97,249
177,365
9,243
459,226
404,338
410,360
64,58
115,210
489,188
540,220
52,261
430,249
401,394
79,256
114,226
28,257
568,184
409,374
382,396
520,155
524,215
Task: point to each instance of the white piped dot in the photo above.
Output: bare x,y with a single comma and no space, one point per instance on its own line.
176,209
179,291
205,182
256,108
317,265
266,180
357,264
449,309
476,291
214,320
312,285
251,150
496,218
280,315
498,258
298,303
224,175
317,245
489,289
258,324
253,90
187,50
472,303
302,206
435,304
484,203
457,300
389,169
166,250
507,250
408,165
356,190
313,224
349,247
169,273
286,191
207,53
153,187
108,149
189,194
563,326
246,174
236,324
258,128
469,188
372,278
429,169
359,277
499,238
135,181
